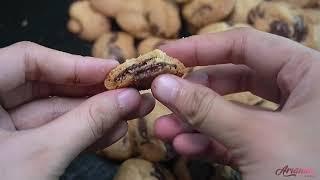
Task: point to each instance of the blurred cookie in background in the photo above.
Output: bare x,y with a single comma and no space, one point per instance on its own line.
220,27
87,23
138,169
242,9
156,18
114,45
303,3
151,43
199,13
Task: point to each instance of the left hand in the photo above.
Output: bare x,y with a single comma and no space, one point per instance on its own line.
46,117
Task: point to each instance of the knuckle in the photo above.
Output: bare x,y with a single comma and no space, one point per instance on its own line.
96,119
196,105
25,44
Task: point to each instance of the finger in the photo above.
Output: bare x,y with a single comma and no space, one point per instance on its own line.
90,121
264,53
115,133
168,127
38,113
146,105
23,62
35,90
200,146
204,109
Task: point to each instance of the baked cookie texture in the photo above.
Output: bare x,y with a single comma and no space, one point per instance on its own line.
285,20
220,27
87,23
140,72
303,3
114,45
138,169
242,9
199,13
151,43
157,18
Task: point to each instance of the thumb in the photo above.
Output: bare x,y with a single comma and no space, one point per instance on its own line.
73,132
204,109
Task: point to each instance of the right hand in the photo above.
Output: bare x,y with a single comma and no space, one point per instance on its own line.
257,141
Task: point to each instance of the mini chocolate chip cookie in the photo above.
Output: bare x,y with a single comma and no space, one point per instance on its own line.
151,44
157,18
87,23
140,72
148,146
279,18
242,9
303,3
220,27
199,13
123,149
138,169
114,45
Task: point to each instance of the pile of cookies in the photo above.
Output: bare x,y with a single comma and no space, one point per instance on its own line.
124,29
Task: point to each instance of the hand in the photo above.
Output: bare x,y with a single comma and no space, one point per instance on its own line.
46,117
256,141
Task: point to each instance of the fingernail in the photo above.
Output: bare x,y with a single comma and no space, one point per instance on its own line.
199,78
128,99
166,88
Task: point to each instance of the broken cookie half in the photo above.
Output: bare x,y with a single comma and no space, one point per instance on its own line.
140,72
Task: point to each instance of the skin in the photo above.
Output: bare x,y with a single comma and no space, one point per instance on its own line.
256,141
36,130
54,106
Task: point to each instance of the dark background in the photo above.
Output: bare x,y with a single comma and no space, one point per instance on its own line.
46,25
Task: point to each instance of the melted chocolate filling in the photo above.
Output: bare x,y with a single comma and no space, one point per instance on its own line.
143,70
300,30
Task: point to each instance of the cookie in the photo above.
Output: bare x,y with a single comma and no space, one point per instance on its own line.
199,13
279,18
242,9
140,72
151,44
157,18
148,146
114,45
121,150
181,1
303,3
311,16
220,27
87,23
244,98
111,8
138,169
312,38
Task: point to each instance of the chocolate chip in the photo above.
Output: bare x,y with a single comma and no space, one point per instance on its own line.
280,28
300,30
158,172
143,130
171,153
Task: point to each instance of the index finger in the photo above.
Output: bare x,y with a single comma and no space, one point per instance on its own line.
33,62
264,53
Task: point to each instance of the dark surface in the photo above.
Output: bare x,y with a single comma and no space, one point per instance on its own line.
90,166
39,21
